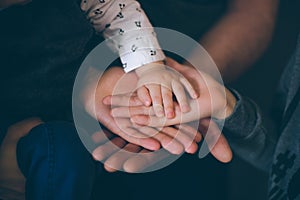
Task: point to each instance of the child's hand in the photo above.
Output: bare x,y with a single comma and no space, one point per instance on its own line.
156,84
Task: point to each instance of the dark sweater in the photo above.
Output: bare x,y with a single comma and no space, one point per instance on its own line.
42,46
263,142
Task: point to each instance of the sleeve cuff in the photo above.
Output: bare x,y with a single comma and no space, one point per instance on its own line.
243,119
140,51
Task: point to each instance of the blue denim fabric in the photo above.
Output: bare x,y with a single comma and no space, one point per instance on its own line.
56,164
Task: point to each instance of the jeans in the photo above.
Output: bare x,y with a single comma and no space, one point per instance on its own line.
56,164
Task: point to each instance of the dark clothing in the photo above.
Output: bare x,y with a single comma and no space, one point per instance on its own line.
262,144
42,46
55,163
42,49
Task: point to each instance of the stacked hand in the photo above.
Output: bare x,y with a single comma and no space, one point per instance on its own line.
163,131
156,85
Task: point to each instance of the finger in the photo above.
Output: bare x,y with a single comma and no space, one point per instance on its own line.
144,96
174,64
222,151
179,92
144,160
148,143
116,161
132,111
152,121
188,142
128,128
190,131
110,123
215,140
167,142
101,136
188,86
104,151
132,136
122,100
155,93
168,102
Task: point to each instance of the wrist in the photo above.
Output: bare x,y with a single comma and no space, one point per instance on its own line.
159,65
230,103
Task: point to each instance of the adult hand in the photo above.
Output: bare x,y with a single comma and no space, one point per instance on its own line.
92,95
217,143
214,101
119,155
114,81
133,159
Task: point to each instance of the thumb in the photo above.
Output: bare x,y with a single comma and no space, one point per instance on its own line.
216,142
174,64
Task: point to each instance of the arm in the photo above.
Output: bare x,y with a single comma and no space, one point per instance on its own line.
240,36
8,3
130,33
250,133
128,29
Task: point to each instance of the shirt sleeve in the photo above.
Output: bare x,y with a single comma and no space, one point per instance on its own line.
251,135
128,29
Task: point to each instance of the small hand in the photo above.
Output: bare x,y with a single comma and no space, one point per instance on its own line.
215,101
156,84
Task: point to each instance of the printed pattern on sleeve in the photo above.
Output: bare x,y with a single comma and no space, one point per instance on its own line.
128,29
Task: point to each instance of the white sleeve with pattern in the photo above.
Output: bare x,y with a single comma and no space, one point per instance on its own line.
126,25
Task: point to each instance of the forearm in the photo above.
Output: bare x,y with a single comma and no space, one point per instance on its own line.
241,36
127,30
7,3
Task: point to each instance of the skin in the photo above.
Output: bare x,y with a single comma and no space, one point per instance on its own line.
156,86
112,156
240,37
237,40
8,3
12,181
92,99
233,44
208,89
214,101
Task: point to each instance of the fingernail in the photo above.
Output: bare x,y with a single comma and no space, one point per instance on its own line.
147,103
195,96
106,100
170,114
159,111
